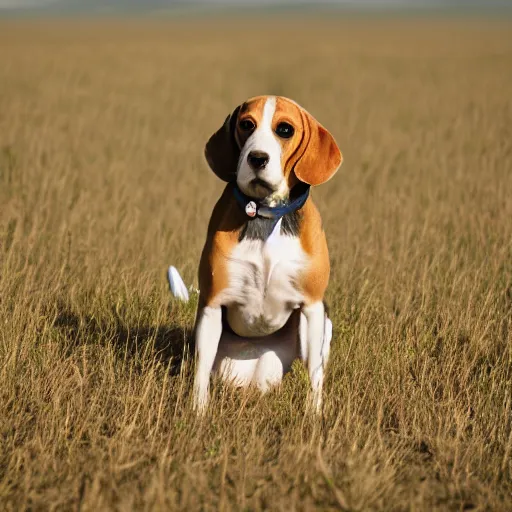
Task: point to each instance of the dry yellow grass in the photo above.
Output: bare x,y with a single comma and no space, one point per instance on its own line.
103,185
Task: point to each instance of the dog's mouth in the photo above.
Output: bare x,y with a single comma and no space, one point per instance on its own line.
262,187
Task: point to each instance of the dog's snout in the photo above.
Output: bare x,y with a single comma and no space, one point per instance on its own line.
258,160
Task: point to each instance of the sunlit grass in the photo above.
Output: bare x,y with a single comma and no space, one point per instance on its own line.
103,185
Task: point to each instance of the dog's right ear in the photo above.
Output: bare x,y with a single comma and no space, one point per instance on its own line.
222,149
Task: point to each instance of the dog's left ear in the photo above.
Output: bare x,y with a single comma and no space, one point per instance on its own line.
321,157
222,150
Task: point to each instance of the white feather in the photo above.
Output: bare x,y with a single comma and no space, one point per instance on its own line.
178,288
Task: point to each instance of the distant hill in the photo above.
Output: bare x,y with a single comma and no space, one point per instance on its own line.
148,6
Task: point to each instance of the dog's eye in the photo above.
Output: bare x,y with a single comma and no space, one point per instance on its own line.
285,130
246,125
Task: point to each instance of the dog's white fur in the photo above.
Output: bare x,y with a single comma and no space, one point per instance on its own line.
263,139
260,361
261,289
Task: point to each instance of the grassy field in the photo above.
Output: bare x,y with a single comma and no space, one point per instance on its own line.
103,185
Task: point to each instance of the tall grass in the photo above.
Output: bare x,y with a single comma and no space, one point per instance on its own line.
103,185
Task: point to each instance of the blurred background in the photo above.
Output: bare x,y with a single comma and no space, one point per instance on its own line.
180,6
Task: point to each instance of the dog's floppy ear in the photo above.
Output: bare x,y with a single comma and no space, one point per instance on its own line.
222,150
321,156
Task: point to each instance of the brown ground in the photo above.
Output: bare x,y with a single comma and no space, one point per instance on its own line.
103,185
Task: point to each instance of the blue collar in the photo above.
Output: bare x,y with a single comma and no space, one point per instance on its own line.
253,208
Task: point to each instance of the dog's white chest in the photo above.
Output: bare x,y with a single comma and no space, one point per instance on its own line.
263,283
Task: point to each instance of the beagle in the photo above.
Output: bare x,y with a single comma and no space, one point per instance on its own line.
264,268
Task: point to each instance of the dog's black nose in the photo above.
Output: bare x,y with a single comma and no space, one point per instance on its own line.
258,160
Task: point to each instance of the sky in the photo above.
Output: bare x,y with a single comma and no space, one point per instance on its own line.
20,4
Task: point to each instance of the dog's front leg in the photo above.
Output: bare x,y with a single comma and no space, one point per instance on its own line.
315,316
208,333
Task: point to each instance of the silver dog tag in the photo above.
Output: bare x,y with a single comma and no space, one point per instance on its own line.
250,209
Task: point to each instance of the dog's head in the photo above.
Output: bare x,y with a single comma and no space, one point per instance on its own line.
268,144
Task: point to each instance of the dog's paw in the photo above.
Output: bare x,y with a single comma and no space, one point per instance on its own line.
200,403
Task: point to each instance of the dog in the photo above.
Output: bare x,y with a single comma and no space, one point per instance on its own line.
264,267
